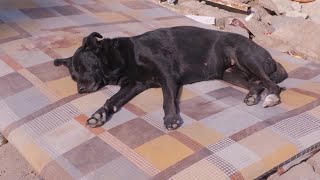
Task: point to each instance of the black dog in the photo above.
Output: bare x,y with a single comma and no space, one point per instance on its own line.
169,58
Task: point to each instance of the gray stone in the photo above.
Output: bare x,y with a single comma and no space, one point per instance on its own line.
269,4
171,1
313,10
314,161
3,140
303,171
296,6
237,30
296,14
283,5
257,27
274,176
302,35
280,21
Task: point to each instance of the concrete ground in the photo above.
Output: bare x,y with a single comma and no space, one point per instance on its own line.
309,170
13,166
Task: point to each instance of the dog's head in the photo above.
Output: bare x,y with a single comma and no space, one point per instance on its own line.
86,67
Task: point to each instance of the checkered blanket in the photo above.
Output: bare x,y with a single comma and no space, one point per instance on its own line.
222,138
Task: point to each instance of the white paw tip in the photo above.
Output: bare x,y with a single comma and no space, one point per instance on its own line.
104,116
270,100
92,121
115,109
97,116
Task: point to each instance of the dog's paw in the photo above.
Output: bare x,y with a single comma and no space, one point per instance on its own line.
271,100
173,122
252,99
98,118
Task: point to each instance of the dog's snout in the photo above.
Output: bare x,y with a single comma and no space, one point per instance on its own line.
81,89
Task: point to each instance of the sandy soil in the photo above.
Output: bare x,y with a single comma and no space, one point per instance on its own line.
13,166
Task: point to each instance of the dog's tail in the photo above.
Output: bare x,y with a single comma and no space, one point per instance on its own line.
279,75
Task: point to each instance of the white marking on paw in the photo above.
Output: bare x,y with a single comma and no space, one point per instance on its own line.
97,116
92,121
115,109
271,100
104,117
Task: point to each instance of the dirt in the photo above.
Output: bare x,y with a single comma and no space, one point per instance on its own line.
14,166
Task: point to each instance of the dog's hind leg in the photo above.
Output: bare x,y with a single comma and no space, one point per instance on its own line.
236,77
273,90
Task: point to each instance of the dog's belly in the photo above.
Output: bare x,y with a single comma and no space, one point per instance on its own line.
197,73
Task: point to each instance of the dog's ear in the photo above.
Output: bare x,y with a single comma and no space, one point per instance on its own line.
92,42
66,62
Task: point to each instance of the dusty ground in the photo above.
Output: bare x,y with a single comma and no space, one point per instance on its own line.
13,166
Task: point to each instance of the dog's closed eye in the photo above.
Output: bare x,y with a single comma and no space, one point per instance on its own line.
74,78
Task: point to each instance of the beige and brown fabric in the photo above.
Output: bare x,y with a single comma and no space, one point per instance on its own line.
222,138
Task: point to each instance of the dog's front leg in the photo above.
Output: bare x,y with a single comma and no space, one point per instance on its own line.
172,119
112,105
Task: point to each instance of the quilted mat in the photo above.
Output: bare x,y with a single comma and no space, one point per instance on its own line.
44,118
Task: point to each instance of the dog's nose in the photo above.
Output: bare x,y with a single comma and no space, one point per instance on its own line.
81,89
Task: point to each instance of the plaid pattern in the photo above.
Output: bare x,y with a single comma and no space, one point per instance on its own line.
44,117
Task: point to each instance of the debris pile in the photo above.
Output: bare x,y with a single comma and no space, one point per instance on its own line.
291,26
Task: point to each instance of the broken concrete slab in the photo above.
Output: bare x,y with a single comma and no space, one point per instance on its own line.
312,9
233,4
304,1
301,171
237,30
303,36
3,140
314,161
297,14
203,19
258,28
296,6
283,5
280,21
169,1
270,5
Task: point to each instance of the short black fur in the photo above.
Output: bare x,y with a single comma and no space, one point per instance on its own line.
170,58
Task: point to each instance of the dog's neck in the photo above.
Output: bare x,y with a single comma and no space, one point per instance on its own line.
112,59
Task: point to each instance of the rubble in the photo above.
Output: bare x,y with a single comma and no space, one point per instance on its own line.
233,4
203,19
313,10
302,171
296,14
302,36
296,6
314,161
237,30
169,1
269,5
3,140
286,25
283,6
